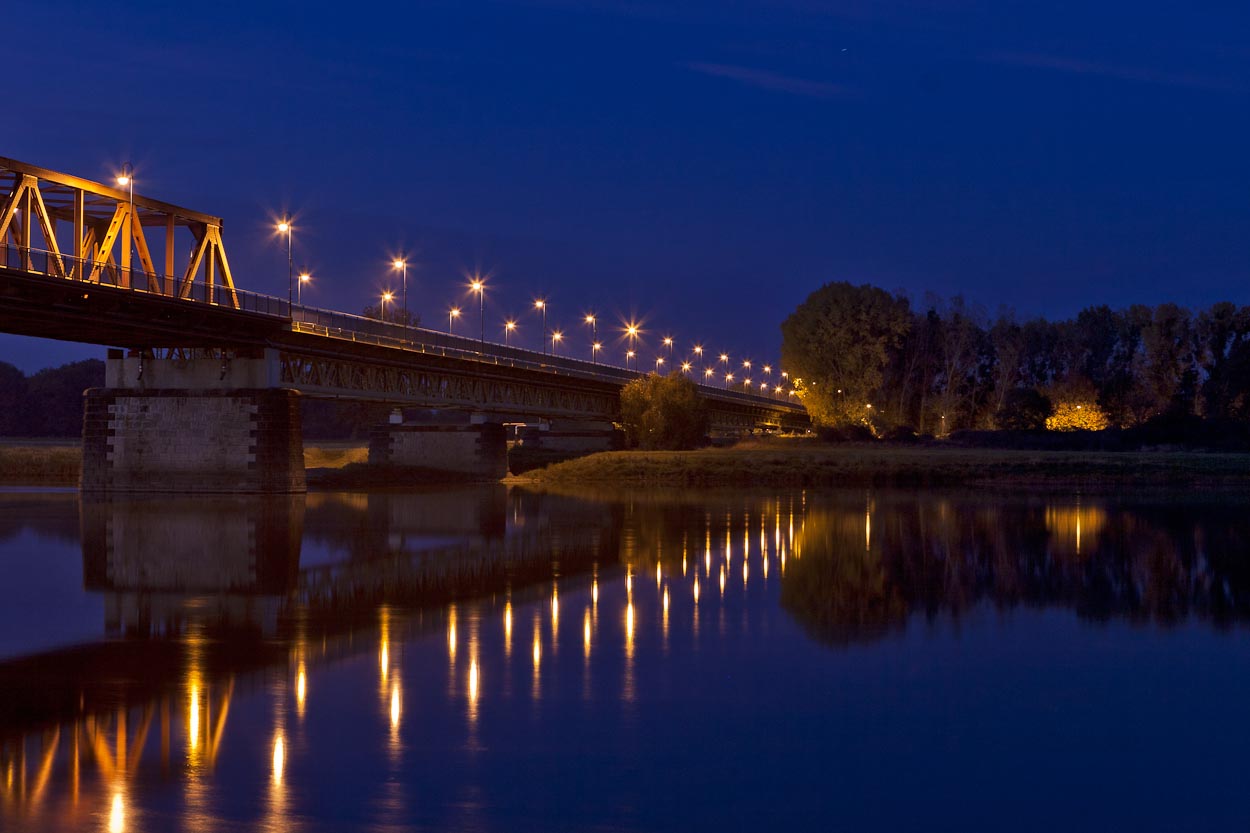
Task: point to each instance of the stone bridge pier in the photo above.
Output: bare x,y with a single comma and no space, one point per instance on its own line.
192,425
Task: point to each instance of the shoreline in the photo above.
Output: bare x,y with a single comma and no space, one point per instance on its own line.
49,465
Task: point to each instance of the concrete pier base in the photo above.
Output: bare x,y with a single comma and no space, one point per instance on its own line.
479,450
171,440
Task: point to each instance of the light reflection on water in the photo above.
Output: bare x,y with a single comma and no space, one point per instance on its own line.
904,636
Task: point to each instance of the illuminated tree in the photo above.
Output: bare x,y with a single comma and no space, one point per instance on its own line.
1077,415
663,412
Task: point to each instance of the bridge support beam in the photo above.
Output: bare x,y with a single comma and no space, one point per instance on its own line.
477,450
187,440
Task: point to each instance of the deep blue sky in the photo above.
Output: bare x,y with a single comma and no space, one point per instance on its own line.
703,165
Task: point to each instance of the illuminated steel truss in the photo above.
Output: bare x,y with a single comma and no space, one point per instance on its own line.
99,234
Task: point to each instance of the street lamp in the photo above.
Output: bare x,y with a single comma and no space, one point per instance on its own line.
285,227
508,327
452,315
541,305
629,354
631,330
668,342
478,286
698,350
402,265
768,369
659,362
729,377
724,358
386,296
594,332
685,367
594,351
303,279
707,372
556,336
746,363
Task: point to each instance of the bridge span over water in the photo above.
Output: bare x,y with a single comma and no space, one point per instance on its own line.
78,262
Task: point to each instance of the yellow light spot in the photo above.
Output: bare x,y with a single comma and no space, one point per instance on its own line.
193,718
117,814
395,706
722,581
301,687
384,661
666,600
538,650
279,758
594,591
657,575
474,675
696,589
586,631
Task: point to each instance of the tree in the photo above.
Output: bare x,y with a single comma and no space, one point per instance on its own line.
836,346
54,397
1023,409
395,314
12,401
663,412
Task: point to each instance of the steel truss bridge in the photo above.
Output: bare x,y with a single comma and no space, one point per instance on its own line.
78,262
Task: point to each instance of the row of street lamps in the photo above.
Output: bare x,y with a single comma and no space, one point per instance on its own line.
552,339
295,294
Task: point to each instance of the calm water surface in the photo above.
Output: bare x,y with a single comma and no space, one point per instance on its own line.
493,659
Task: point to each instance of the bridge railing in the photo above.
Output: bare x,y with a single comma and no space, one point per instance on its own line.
108,273
339,325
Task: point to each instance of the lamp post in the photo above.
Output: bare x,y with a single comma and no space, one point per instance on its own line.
708,372
659,362
631,330
541,306
479,286
685,367
285,227
668,342
386,296
402,265
556,336
729,377
452,315
629,354
125,179
594,352
508,327
303,279
594,333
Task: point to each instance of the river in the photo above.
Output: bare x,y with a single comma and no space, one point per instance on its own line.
491,658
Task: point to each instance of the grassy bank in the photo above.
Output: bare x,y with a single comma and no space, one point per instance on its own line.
58,463
873,465
40,464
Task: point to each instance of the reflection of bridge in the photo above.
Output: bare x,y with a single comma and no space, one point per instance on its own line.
207,591
196,340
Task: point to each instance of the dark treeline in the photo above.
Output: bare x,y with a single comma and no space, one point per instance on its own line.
945,365
49,403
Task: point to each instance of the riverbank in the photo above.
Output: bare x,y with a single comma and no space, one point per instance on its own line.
881,465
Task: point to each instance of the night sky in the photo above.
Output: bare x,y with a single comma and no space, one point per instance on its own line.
702,166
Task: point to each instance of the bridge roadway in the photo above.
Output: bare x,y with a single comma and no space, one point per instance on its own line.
327,354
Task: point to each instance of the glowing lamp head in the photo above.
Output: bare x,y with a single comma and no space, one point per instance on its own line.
305,278
724,357
659,360
509,325
557,335
123,180
668,341
284,227
629,354
540,304
707,372
454,312
590,319
477,285
685,366
698,350
597,346
386,296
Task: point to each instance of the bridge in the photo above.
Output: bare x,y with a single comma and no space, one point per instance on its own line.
78,262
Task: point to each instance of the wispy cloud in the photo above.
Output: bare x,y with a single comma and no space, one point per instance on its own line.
1142,75
775,82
